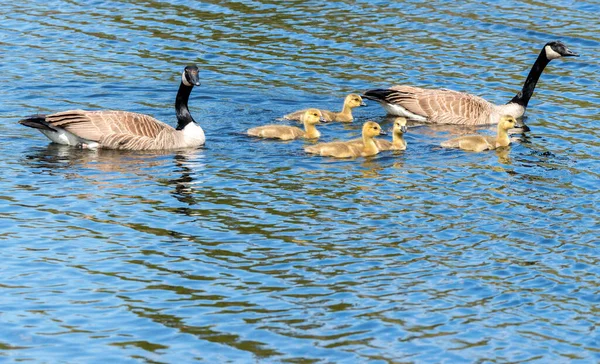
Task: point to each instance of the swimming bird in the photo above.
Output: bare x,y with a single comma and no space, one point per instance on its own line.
398,142
310,118
445,106
125,130
478,143
350,149
350,102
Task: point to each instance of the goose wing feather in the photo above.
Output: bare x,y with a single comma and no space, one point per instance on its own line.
96,125
441,106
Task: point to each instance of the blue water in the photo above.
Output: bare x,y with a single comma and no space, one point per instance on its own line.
252,251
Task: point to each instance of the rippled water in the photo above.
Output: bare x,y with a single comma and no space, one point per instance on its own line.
250,250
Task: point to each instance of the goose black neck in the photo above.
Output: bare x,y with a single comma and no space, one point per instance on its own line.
181,106
522,98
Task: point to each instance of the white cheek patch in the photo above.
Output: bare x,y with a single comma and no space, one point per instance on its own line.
551,53
184,80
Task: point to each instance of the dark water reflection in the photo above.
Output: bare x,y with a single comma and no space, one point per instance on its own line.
250,250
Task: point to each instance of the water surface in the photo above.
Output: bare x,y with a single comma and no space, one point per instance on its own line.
251,251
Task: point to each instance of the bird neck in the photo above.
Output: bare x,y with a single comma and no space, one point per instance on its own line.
181,106
346,110
370,147
311,131
502,139
398,141
522,98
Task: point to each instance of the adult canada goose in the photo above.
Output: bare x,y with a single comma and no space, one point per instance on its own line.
122,129
478,143
350,102
310,118
444,106
350,149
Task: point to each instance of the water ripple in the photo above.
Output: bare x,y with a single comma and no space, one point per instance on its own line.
250,250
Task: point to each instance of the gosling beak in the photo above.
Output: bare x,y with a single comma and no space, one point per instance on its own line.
403,128
382,132
362,103
519,128
323,120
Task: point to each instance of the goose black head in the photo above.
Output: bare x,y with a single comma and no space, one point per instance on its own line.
190,76
558,49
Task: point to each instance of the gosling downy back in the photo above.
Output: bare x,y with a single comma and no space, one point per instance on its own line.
443,106
478,143
122,129
310,118
350,102
351,149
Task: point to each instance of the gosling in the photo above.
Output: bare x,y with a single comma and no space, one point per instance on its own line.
310,118
398,142
351,149
351,101
478,143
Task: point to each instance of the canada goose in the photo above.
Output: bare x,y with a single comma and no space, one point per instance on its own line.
310,118
478,143
350,102
350,149
445,106
122,129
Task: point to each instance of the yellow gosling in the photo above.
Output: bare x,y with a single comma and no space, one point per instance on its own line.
310,118
351,149
351,101
478,143
398,142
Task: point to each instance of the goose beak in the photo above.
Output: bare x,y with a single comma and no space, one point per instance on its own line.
323,120
362,103
381,132
194,79
570,53
403,128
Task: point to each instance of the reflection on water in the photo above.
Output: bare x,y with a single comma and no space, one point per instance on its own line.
250,250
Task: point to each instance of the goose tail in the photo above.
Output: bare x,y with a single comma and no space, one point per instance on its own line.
379,95
37,121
